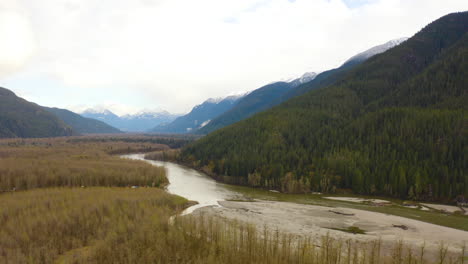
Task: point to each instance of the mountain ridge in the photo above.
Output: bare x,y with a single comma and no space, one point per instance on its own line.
200,115
368,131
275,93
139,122
81,124
21,118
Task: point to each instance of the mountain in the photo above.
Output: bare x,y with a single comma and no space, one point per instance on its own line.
256,101
144,121
20,118
394,125
139,122
103,115
81,124
199,116
331,76
363,56
273,94
305,78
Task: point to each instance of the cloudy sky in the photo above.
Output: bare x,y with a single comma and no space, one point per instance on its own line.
130,55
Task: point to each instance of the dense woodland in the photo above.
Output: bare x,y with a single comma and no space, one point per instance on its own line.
395,125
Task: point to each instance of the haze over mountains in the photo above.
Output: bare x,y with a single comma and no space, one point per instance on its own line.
199,116
139,122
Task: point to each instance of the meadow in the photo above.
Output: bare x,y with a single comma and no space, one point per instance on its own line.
39,163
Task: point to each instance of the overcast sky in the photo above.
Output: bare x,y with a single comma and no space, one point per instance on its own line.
130,55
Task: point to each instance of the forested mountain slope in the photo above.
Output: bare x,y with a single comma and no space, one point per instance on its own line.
395,125
20,118
273,94
82,124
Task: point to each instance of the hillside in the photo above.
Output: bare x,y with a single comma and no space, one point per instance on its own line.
20,118
394,125
273,94
199,116
258,100
81,124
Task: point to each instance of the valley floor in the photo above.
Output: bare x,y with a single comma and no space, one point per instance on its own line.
316,221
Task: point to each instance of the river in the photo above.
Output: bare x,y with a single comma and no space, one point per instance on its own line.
311,214
191,184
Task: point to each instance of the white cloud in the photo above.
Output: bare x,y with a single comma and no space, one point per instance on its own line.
173,54
17,42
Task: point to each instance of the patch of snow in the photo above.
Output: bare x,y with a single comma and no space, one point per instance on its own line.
376,50
215,100
147,115
205,123
297,80
97,110
232,97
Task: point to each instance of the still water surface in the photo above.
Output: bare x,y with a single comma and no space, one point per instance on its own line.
191,184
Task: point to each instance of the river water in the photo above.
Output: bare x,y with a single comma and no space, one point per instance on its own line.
191,184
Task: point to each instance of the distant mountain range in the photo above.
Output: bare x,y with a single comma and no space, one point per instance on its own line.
275,93
20,118
139,122
199,116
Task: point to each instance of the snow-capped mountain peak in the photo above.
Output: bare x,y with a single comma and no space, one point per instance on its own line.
307,77
376,50
214,100
232,97
147,115
97,111
139,122
298,80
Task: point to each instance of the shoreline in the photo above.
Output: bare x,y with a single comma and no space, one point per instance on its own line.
315,221
238,182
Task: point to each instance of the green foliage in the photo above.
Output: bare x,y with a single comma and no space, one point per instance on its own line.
394,125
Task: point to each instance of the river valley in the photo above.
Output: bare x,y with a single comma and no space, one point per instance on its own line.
314,216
